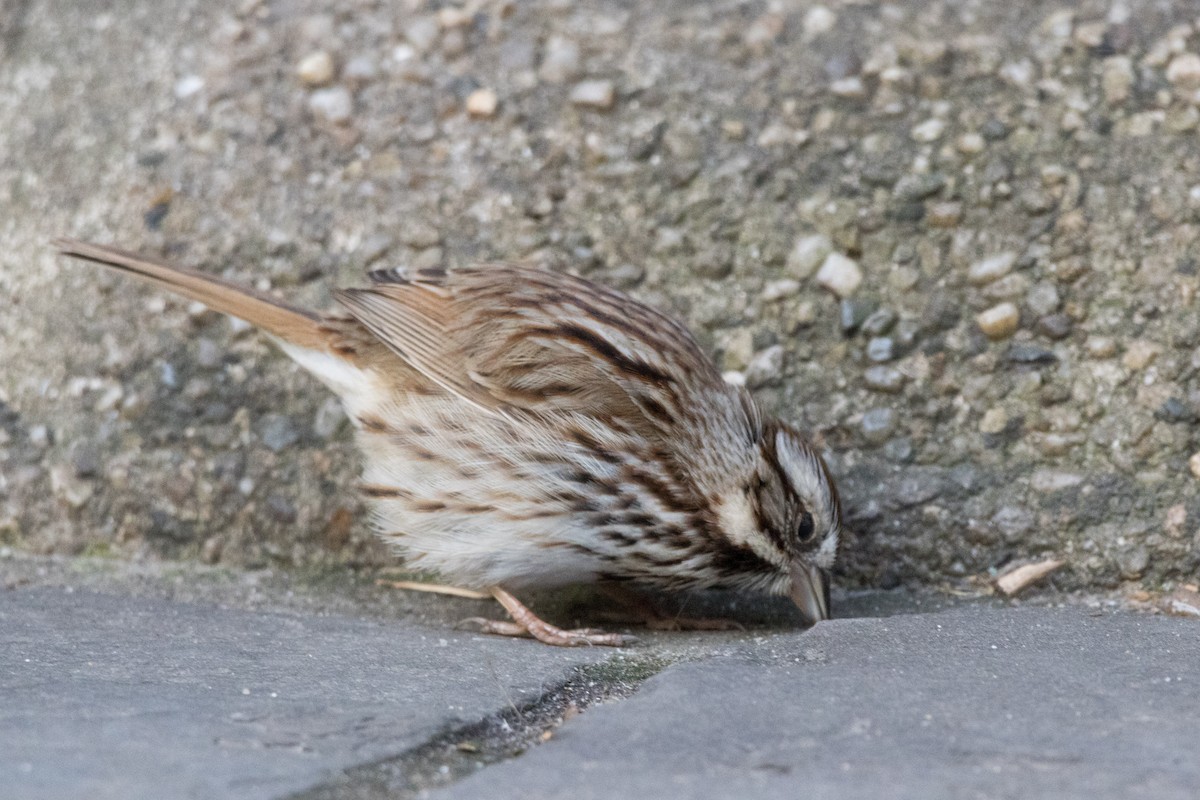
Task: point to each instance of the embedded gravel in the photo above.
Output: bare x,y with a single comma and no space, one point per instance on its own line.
954,240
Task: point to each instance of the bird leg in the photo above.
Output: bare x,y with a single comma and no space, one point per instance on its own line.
434,588
526,623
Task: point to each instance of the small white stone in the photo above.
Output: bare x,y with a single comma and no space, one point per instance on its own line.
332,105
840,275
315,69
360,69
765,367
599,94
1000,321
1045,480
1184,71
188,85
560,60
777,134
929,131
778,290
991,268
1194,465
851,87
807,254
818,20
453,18
994,420
422,33
1117,79
970,144
482,103
1140,354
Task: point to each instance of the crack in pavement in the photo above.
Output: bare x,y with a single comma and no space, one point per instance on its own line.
463,751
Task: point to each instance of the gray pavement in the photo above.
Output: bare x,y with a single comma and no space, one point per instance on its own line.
108,694
977,702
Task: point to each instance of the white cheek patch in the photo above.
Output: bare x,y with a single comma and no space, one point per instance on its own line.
739,524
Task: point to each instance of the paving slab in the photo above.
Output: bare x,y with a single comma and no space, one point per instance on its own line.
979,702
117,696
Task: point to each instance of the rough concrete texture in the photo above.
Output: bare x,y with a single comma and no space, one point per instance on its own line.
974,702
953,157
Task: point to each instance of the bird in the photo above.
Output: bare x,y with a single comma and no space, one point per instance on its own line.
525,429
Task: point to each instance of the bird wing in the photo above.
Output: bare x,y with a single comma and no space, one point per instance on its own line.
505,337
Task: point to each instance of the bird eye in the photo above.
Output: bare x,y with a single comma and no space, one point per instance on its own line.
806,529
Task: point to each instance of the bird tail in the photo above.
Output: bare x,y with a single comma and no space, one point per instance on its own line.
293,325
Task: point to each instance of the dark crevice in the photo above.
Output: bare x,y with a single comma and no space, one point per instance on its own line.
460,752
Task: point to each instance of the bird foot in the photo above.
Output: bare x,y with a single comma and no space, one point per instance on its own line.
526,623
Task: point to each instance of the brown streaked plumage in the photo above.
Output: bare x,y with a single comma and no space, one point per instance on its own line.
524,428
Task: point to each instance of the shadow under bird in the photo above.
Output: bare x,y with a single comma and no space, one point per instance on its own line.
524,429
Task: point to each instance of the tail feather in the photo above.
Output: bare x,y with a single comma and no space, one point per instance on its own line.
296,326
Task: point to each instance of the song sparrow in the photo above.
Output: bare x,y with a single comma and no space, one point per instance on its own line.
523,428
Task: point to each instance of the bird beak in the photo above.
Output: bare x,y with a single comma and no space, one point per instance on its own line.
810,591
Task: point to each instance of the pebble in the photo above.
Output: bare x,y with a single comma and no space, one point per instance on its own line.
360,69
282,509
999,321
1045,480
1194,465
1100,346
765,367
851,87
877,425
994,421
1184,71
421,235
597,94
482,103
187,86
881,349
808,253
1117,79
66,485
1055,326
277,432
560,60
929,131
329,418
1030,354
991,268
879,322
1140,354
883,379
422,33
315,69
780,289
450,17
332,105
1043,298
899,449
851,315
970,144
1009,287
912,188
944,215
840,275
818,20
